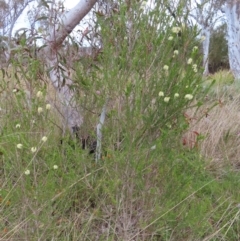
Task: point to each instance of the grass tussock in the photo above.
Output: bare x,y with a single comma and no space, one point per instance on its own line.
215,129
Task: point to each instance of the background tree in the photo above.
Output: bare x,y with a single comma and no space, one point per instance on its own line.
218,54
206,14
231,9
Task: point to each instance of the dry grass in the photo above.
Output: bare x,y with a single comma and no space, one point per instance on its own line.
216,132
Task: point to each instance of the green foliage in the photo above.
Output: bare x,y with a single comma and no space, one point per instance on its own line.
140,61
147,186
218,54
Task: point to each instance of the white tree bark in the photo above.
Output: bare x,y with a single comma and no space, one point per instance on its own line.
201,15
232,12
206,33
70,109
99,132
205,15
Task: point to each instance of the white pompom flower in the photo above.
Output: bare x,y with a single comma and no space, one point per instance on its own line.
19,146
27,172
188,97
166,99
44,139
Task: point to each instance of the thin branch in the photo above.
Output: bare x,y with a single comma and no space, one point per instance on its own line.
70,21
99,132
15,20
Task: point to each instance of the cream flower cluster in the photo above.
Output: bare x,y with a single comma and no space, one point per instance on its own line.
176,95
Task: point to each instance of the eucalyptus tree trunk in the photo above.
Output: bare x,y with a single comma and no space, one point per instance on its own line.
205,20
70,110
232,12
201,15
206,15
206,33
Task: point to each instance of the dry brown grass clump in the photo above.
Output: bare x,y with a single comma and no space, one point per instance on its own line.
216,132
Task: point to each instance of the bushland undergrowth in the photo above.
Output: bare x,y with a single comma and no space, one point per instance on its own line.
149,184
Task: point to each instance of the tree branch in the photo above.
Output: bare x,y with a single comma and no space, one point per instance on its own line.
69,22
69,106
99,132
15,20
